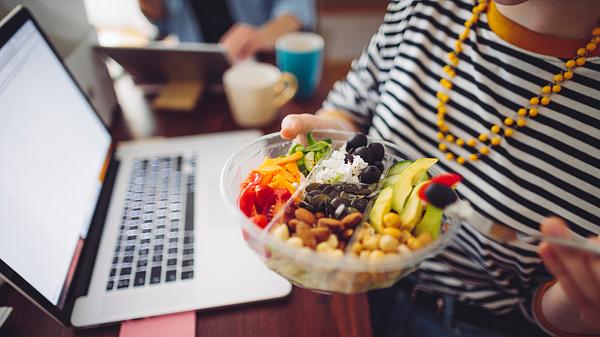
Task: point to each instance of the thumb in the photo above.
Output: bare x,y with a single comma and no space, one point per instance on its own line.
555,226
295,125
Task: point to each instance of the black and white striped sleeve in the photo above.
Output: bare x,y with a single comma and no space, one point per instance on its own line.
358,94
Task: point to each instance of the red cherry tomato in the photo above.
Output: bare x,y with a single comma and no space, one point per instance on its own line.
264,198
252,179
282,194
260,220
246,201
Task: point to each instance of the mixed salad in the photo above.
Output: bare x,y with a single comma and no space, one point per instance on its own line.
354,200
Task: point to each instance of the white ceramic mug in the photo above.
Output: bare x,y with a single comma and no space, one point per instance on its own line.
255,91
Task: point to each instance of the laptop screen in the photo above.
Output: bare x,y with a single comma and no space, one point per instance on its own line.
53,149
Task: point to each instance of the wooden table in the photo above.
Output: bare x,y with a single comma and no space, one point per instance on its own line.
303,313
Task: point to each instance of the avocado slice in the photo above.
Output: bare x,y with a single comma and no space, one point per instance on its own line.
399,167
413,210
408,178
431,222
381,207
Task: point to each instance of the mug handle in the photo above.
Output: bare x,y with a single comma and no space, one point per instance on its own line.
285,89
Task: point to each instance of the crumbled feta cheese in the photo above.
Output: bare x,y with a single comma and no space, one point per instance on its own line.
335,170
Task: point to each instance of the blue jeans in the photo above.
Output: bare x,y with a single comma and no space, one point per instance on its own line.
409,320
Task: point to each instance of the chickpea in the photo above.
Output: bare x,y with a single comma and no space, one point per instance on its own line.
295,242
388,243
364,255
281,232
323,247
357,247
391,220
405,236
376,256
336,254
426,238
332,241
394,232
415,244
370,242
403,249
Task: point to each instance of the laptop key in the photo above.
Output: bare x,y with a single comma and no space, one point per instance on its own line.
155,275
139,279
123,284
171,275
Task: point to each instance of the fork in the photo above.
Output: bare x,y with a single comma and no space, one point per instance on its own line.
462,210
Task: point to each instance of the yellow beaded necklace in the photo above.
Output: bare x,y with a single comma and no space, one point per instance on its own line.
497,132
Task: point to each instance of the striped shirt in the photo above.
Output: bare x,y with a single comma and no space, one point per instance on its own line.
551,166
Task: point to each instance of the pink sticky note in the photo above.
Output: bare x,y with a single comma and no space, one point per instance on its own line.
182,324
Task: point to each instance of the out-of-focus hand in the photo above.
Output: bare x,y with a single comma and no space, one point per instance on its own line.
577,292
153,9
293,126
243,41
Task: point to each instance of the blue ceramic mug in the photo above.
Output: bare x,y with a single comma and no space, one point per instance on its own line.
301,54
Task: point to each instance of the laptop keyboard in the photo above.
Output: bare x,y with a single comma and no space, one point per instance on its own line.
155,243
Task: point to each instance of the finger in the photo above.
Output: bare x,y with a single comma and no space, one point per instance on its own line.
575,262
594,263
249,49
294,125
555,267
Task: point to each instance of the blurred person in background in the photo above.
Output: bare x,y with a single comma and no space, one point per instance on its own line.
244,27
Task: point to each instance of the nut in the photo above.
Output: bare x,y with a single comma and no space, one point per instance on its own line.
292,224
281,232
332,241
342,245
304,233
387,243
305,215
405,236
320,215
391,220
333,224
321,233
295,242
336,254
347,234
352,220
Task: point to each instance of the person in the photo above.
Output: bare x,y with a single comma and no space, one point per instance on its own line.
244,27
507,94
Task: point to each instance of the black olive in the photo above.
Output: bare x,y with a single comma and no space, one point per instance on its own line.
377,150
440,195
370,175
328,189
379,165
365,154
360,203
348,158
314,187
358,140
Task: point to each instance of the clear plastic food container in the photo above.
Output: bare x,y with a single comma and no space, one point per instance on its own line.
307,268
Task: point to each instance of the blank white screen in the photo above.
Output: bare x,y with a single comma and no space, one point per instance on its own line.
53,148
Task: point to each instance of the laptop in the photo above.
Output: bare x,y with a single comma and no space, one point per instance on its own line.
94,231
